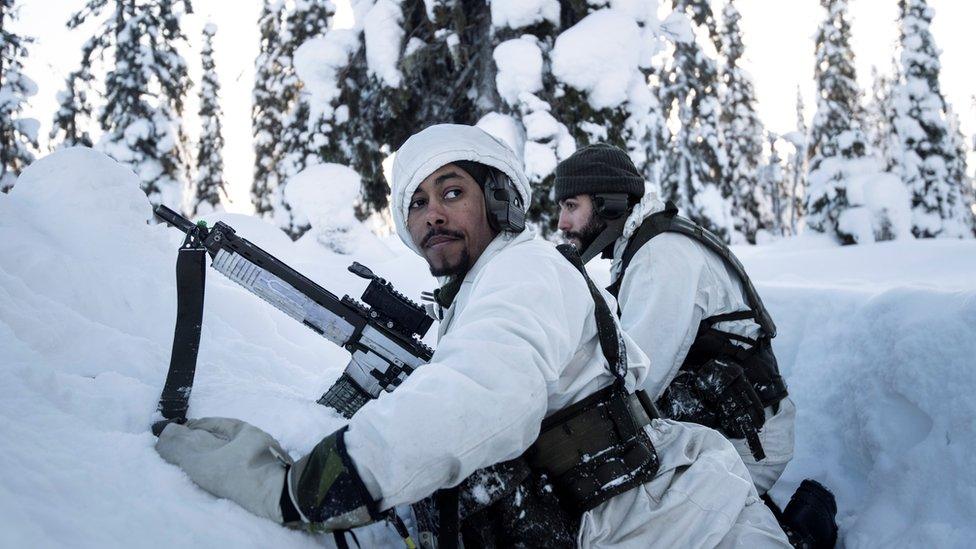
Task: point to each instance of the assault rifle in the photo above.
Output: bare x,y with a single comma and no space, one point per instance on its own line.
383,332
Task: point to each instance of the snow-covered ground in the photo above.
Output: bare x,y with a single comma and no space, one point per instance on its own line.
878,343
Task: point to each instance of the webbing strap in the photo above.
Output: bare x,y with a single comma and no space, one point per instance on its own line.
610,341
191,275
668,220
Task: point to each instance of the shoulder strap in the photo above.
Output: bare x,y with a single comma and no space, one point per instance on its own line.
610,340
668,220
654,225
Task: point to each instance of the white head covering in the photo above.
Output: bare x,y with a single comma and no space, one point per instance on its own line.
427,151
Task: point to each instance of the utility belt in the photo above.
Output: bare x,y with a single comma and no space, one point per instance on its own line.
586,454
596,448
726,386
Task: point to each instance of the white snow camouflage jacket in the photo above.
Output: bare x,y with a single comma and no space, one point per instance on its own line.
671,284
518,343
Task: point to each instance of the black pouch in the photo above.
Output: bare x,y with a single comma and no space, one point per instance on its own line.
718,395
526,514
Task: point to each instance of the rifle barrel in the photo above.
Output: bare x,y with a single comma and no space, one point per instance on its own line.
174,219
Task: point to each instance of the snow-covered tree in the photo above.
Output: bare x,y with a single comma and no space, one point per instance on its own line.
879,119
773,178
796,169
742,131
72,120
965,208
571,74
307,19
927,152
208,186
268,106
697,163
523,90
849,195
18,135
504,65
143,90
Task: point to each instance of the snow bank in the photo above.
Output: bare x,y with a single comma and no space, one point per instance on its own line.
86,328
879,349
876,342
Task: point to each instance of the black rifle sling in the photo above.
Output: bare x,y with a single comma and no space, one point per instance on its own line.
610,340
191,275
668,220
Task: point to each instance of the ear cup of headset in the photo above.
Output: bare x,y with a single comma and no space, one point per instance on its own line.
503,203
610,205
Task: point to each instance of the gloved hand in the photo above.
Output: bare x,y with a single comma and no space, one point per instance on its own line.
231,459
235,460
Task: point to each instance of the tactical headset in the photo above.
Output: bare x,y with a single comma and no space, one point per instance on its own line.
504,204
610,206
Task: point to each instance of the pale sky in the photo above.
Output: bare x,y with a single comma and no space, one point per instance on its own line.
778,37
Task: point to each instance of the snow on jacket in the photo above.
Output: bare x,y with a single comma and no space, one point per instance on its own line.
518,343
671,284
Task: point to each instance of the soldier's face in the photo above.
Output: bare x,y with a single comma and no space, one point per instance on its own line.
578,221
447,221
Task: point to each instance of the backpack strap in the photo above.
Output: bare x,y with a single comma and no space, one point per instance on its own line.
654,225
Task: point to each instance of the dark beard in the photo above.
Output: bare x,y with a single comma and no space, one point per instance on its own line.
588,233
459,269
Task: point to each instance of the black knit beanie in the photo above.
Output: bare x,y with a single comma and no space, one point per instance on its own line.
597,168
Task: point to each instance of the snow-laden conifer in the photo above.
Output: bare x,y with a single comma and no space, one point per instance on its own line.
268,106
208,185
926,150
143,90
849,195
18,134
574,74
965,208
523,39
697,163
296,146
796,169
73,119
879,119
742,131
773,177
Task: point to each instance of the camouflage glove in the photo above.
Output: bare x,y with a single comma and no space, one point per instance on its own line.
326,489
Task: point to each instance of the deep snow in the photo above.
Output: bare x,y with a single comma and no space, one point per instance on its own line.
878,343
